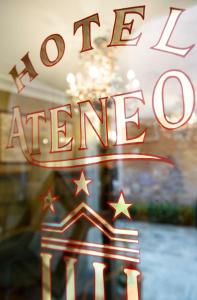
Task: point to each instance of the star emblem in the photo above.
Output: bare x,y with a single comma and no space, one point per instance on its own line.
48,201
82,184
121,207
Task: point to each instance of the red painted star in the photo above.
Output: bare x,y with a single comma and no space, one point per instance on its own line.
48,201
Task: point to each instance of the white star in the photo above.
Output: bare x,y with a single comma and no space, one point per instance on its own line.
82,184
121,207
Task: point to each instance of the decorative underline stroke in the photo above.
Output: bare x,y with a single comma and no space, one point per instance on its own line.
93,160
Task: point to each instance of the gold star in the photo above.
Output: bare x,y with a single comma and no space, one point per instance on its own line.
121,207
82,184
48,201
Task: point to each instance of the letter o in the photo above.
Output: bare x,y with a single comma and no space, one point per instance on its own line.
188,99
59,41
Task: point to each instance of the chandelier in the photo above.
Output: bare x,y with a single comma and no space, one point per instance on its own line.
99,75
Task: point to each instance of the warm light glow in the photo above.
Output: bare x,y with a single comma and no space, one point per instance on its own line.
45,141
94,72
130,74
70,78
135,84
62,139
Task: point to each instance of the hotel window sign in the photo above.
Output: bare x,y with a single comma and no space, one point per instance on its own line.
98,151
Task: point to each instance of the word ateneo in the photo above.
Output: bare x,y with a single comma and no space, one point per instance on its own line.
118,39
91,120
